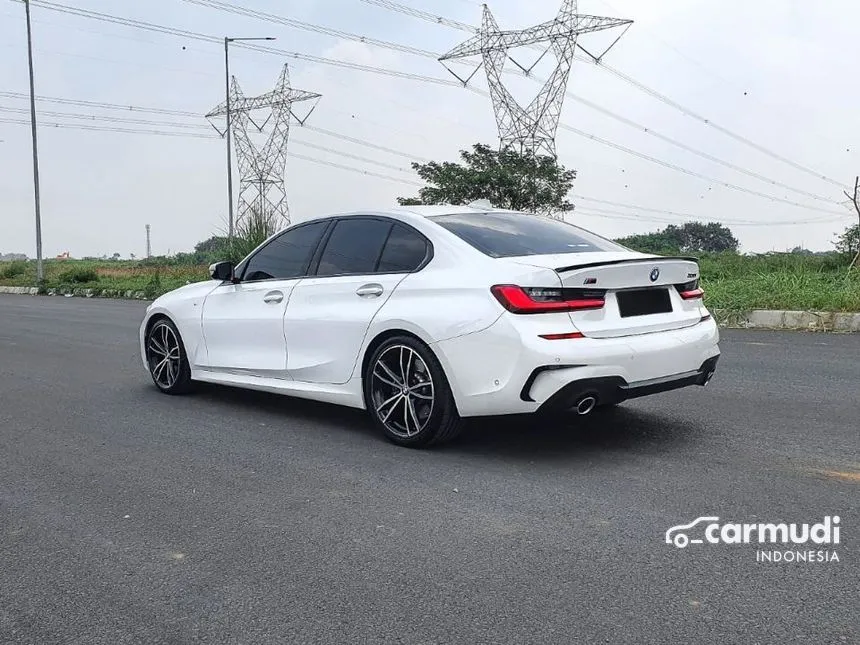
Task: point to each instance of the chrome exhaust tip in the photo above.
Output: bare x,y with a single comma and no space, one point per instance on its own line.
708,377
586,404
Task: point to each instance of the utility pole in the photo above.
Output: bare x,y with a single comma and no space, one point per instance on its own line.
148,245
855,199
40,270
227,42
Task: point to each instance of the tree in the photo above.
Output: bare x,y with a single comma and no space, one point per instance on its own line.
692,237
214,244
696,237
507,179
855,200
657,243
849,242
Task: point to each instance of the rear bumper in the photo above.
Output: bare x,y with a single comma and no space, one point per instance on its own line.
614,389
509,369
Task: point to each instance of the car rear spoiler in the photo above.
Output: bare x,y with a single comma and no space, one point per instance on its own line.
628,261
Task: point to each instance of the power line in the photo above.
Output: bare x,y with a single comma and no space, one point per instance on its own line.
594,211
320,29
110,119
217,4
407,155
388,72
212,39
184,113
223,6
677,214
98,104
429,17
692,173
162,132
604,212
98,128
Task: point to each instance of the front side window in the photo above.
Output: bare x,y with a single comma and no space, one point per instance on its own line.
504,235
286,256
354,247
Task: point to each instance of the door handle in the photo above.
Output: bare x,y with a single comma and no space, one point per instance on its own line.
371,290
273,297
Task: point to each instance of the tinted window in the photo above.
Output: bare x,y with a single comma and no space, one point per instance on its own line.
405,250
354,247
287,256
502,235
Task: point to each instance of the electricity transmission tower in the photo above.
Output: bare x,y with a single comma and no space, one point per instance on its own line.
531,130
148,244
262,168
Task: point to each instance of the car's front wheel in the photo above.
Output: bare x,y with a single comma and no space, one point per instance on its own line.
407,394
165,355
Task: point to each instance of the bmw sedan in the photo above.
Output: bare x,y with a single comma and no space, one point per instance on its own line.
427,315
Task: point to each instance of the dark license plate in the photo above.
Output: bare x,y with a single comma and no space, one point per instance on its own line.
642,302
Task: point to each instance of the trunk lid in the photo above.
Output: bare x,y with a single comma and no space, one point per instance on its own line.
640,290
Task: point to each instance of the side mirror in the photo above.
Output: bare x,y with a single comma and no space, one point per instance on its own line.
222,271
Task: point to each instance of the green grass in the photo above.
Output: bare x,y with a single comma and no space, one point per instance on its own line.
732,282
107,275
780,281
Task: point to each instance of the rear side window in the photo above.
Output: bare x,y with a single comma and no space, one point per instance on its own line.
404,251
286,256
504,235
354,247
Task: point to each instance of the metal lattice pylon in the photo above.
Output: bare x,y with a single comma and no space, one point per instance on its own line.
262,170
530,130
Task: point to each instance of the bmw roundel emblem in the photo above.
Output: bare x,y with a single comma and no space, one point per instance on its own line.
655,273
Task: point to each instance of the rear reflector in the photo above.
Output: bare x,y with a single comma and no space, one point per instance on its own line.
692,294
535,300
568,336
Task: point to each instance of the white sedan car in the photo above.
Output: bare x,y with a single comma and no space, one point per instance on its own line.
425,315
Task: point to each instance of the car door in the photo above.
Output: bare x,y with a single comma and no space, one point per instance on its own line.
243,322
358,268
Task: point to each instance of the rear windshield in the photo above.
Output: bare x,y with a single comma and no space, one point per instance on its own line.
505,235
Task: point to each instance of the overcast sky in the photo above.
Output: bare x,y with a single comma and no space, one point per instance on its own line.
779,72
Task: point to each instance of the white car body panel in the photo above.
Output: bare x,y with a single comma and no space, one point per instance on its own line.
244,332
328,321
313,343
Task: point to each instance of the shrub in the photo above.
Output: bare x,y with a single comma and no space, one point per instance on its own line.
78,276
13,270
153,287
251,231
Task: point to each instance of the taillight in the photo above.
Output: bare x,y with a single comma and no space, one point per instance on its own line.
567,336
690,290
539,300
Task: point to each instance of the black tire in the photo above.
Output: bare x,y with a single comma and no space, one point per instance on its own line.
171,376
431,422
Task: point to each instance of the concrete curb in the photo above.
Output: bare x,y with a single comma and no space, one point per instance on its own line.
81,293
797,320
755,319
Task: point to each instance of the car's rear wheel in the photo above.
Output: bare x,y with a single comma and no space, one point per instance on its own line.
407,394
165,355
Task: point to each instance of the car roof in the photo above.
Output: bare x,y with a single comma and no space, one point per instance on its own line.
443,209
427,211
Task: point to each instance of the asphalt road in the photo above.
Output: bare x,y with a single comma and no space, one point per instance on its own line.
127,516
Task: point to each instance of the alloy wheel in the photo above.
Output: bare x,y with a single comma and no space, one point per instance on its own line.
402,391
165,358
